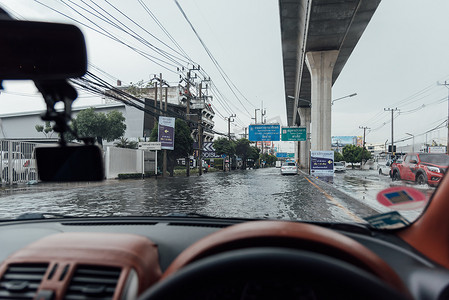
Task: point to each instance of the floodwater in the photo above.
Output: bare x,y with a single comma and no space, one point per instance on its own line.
262,193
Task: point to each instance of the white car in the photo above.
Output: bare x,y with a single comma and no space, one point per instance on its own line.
339,167
289,168
383,167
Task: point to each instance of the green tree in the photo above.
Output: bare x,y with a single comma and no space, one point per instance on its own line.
126,143
109,127
268,158
338,156
354,154
47,130
224,146
183,143
243,150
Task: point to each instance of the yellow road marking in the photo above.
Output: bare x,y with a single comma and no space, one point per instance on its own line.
335,201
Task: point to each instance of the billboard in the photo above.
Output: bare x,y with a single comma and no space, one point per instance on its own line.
322,163
264,132
166,132
341,141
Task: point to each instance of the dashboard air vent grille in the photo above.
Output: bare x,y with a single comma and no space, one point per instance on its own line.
93,282
21,281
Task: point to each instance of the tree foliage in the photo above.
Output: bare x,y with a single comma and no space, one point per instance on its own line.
183,143
46,129
109,127
354,154
126,143
224,146
243,150
338,156
268,158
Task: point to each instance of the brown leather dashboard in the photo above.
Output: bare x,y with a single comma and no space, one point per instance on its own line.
65,253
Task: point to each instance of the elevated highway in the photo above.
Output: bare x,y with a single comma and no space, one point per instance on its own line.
318,36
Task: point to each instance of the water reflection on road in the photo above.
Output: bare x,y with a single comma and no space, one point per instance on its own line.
366,184
262,193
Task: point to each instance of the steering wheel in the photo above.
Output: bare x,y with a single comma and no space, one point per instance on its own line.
271,273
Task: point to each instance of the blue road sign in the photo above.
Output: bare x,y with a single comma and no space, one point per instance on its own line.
259,133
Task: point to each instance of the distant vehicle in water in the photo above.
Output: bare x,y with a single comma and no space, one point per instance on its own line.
289,168
422,168
278,163
339,167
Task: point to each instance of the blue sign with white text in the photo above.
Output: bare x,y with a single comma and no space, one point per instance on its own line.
281,154
258,133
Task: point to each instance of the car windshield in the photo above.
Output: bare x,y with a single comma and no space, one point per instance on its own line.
436,159
197,105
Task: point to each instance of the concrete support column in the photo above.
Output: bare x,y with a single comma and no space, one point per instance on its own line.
304,147
321,65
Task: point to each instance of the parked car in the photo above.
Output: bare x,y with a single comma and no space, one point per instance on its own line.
422,168
21,166
339,167
289,168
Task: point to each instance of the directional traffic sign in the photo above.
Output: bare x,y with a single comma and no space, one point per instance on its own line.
264,132
293,134
150,145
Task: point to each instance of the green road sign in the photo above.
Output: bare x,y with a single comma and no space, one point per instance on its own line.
293,134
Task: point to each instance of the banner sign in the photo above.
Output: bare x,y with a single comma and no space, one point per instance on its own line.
166,132
281,154
322,163
264,132
293,134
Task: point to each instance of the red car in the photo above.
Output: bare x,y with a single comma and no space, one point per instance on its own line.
421,167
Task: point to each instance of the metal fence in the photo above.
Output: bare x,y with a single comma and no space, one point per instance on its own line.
17,163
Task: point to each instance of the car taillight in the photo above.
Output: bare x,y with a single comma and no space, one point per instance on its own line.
27,163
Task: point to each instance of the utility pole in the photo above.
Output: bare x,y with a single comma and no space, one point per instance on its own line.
447,144
255,115
392,140
200,138
164,157
364,148
229,125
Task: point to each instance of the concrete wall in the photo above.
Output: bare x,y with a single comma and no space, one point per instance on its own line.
121,161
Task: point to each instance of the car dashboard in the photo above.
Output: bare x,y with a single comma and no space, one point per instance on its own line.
120,258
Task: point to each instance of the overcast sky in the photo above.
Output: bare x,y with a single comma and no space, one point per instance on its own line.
397,62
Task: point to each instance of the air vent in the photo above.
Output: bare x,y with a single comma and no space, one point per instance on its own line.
93,282
21,281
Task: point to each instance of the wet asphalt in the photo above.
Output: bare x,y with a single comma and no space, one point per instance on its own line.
262,193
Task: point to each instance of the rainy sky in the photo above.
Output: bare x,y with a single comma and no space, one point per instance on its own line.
397,63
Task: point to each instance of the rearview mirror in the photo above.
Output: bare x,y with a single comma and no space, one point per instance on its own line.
70,163
41,51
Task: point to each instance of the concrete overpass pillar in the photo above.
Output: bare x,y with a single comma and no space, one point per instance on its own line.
304,114
321,64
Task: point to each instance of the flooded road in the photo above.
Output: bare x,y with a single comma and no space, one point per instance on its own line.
261,193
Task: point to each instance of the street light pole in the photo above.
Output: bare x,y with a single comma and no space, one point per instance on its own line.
352,95
413,141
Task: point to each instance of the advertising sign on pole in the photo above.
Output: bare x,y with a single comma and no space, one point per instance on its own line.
166,130
264,132
293,134
322,163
